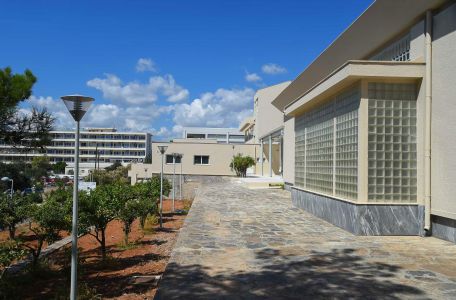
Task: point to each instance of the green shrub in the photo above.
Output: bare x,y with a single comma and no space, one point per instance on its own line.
241,163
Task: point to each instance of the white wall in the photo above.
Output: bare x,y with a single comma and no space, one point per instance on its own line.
444,114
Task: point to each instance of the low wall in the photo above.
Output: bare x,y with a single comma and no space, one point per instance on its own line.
443,228
372,219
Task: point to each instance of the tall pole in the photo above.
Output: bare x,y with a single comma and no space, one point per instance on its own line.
74,231
180,182
174,180
161,194
12,188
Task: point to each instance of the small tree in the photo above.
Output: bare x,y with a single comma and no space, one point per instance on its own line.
129,211
97,209
46,222
12,211
240,164
59,167
148,193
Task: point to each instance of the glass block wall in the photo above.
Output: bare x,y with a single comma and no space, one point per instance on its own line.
326,142
392,156
396,51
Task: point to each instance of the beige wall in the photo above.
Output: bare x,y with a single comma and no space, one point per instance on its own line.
289,151
267,117
220,156
443,178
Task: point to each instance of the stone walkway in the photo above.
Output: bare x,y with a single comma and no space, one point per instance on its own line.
253,244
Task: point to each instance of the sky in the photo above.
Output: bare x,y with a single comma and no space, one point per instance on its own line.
158,66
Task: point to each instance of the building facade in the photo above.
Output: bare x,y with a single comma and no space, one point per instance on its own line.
100,146
200,157
370,127
222,135
266,128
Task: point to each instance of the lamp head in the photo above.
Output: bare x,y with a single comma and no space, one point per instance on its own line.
162,149
6,179
77,105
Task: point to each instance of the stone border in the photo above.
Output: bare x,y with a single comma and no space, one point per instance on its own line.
362,219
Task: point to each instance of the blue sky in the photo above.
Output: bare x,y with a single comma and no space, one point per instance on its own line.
159,65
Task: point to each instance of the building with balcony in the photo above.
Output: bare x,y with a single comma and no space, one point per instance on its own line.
99,148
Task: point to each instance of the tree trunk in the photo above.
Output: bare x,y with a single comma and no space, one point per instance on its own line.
103,244
36,254
12,232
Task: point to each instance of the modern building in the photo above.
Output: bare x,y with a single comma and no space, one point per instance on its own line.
200,157
369,125
101,146
266,127
222,135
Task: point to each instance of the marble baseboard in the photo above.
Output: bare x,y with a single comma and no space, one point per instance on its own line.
287,186
372,219
443,228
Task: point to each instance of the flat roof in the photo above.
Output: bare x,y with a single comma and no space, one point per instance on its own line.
378,24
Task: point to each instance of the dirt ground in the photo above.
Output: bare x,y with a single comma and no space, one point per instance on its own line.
145,257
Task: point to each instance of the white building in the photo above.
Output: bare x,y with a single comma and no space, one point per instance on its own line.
222,135
103,146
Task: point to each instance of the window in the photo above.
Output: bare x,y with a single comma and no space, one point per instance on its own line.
169,159
392,142
201,159
196,136
326,159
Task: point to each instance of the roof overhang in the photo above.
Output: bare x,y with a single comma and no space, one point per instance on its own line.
351,72
380,23
246,124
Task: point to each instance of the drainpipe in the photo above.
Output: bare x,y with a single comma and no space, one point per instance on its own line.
427,133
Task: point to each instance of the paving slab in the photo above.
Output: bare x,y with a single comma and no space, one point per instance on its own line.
238,243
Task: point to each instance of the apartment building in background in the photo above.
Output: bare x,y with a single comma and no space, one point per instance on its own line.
99,147
222,135
369,127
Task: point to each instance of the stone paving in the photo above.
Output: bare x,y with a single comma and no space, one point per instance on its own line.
253,244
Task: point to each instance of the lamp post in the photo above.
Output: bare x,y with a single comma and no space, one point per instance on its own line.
12,185
180,181
162,150
77,105
175,155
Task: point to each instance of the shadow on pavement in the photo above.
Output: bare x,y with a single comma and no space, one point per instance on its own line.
337,274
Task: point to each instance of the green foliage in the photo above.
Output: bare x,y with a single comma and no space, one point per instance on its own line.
9,252
46,222
59,167
241,163
118,175
40,167
14,88
115,165
15,171
97,209
13,211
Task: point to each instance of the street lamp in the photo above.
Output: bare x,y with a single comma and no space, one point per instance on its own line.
175,155
77,106
180,185
162,150
12,185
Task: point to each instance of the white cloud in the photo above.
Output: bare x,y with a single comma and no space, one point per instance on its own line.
146,64
222,108
252,77
139,93
273,69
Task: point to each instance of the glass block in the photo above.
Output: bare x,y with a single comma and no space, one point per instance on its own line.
392,145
